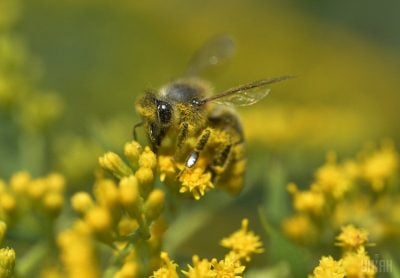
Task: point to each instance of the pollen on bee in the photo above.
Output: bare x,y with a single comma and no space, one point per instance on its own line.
192,159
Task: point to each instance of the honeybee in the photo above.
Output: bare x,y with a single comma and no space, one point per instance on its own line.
184,119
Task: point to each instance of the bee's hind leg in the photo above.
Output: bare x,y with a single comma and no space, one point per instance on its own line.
218,165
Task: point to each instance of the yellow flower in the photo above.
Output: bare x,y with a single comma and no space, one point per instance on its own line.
243,242
167,167
311,201
331,178
145,177
229,267
168,270
19,181
52,203
154,205
358,264
106,193
352,238
200,269
82,202
329,268
99,219
132,151
7,262
77,251
300,228
380,165
148,159
129,195
7,203
195,181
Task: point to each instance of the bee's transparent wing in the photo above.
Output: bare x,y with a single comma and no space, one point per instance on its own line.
214,52
247,94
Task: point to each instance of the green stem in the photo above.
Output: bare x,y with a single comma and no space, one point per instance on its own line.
32,152
31,260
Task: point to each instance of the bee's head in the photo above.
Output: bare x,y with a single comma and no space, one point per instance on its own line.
157,114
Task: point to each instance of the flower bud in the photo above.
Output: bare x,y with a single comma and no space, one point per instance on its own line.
19,181
113,163
132,152
148,159
129,195
154,205
82,202
7,262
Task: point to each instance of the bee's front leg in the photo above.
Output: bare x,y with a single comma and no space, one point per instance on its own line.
183,133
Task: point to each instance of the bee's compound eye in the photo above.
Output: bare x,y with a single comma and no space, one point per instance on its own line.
164,111
192,159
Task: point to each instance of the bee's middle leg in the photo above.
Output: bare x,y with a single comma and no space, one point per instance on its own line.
201,143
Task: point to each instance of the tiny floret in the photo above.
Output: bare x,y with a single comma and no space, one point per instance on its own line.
352,238
328,267
168,270
195,181
243,242
200,269
229,267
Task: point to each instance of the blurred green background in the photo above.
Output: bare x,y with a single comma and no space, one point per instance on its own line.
99,56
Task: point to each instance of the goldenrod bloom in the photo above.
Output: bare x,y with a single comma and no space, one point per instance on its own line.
380,165
132,151
148,159
358,264
200,269
243,243
229,267
311,201
332,179
195,181
19,181
78,251
129,195
82,202
154,205
168,270
352,238
329,268
300,228
167,167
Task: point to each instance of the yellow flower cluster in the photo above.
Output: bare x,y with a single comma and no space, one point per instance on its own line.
78,251
124,214
142,164
353,191
7,255
242,244
22,194
354,263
